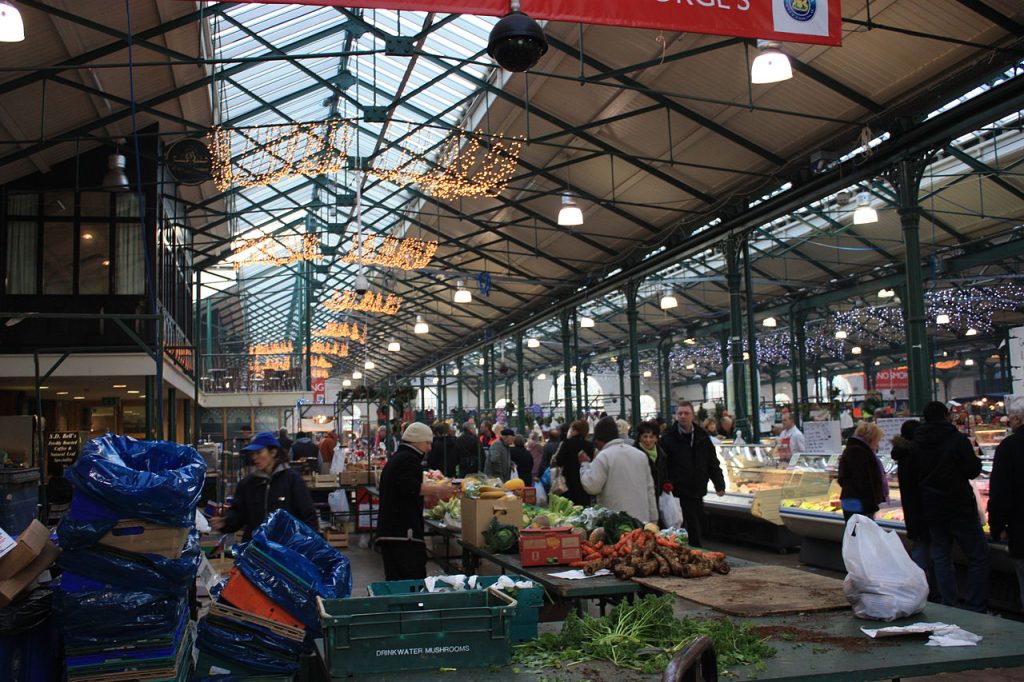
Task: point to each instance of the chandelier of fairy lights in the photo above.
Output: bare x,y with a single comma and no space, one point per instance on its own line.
467,165
276,250
404,254
255,156
344,330
270,365
370,302
319,372
330,348
320,361
272,348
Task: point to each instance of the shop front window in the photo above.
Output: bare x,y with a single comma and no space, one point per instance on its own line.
58,258
94,260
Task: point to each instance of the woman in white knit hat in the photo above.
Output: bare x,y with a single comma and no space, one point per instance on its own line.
400,522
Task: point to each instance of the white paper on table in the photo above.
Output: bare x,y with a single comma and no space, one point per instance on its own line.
7,543
578,574
940,634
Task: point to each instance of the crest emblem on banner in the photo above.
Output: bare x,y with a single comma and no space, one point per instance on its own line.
800,10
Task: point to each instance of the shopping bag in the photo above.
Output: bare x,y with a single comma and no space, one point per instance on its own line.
338,502
559,486
882,581
670,510
542,496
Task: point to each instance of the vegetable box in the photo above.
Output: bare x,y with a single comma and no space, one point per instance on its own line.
549,546
477,515
416,631
527,495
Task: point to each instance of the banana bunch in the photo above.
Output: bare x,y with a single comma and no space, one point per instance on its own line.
491,492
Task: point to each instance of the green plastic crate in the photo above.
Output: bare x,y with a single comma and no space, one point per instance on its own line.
208,660
416,631
524,621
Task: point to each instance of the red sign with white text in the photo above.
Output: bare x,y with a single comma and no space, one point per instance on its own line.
319,391
892,379
795,21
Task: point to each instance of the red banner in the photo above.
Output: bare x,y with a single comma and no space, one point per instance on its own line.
794,21
896,378
319,391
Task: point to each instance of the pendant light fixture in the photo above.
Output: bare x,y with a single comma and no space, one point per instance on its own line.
116,180
369,364
12,28
357,375
345,383
586,322
570,215
647,374
771,65
532,343
480,361
942,318
886,293
865,214
542,376
421,326
971,332
394,346
969,362
669,301
856,350
462,294
840,333
770,322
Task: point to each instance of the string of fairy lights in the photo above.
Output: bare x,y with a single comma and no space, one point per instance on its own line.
370,302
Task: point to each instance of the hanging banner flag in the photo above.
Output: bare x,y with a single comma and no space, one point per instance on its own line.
794,21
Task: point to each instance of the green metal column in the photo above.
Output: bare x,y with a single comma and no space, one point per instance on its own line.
732,260
664,351
576,363
584,368
631,290
905,178
801,364
723,347
520,389
554,387
622,386
192,416
531,390
1005,362
440,393
307,328
486,399
186,415
423,401
493,376
566,364
458,392
172,416
755,374
150,399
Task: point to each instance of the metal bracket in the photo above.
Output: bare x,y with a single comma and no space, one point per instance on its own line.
375,115
399,46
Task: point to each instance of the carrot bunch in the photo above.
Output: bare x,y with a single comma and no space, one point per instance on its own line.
643,553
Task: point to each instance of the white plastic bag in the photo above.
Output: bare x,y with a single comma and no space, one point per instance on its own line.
670,510
338,502
542,495
338,462
882,581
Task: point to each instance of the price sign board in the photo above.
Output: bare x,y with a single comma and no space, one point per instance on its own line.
823,437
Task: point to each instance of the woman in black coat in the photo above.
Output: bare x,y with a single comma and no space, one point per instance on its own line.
444,453
523,460
909,476
568,457
1005,512
860,475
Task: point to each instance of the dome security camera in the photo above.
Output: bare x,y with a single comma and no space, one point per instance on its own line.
516,42
362,284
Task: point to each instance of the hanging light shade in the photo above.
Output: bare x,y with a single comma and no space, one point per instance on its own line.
647,374
481,361
542,376
886,293
692,366
436,381
942,318
357,375
462,294
840,333
533,343
969,362
345,383
12,28
116,180
421,326
369,364
769,322
669,301
856,350
394,346
586,322
690,341
771,65
455,372
570,214
865,214
971,332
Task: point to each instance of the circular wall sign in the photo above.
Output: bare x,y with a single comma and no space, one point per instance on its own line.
188,161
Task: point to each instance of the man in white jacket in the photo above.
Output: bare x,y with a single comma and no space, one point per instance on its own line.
620,475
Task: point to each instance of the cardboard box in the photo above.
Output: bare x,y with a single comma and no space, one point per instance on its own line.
477,515
143,537
527,495
29,545
16,584
549,546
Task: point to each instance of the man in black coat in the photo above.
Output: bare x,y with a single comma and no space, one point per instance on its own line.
471,452
910,493
947,464
1005,513
550,447
444,455
400,522
692,462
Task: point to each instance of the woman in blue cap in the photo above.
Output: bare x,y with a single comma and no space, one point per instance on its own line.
271,486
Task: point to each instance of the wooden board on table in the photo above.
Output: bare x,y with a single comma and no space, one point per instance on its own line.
753,591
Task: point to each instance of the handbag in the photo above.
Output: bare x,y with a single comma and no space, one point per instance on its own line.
559,486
